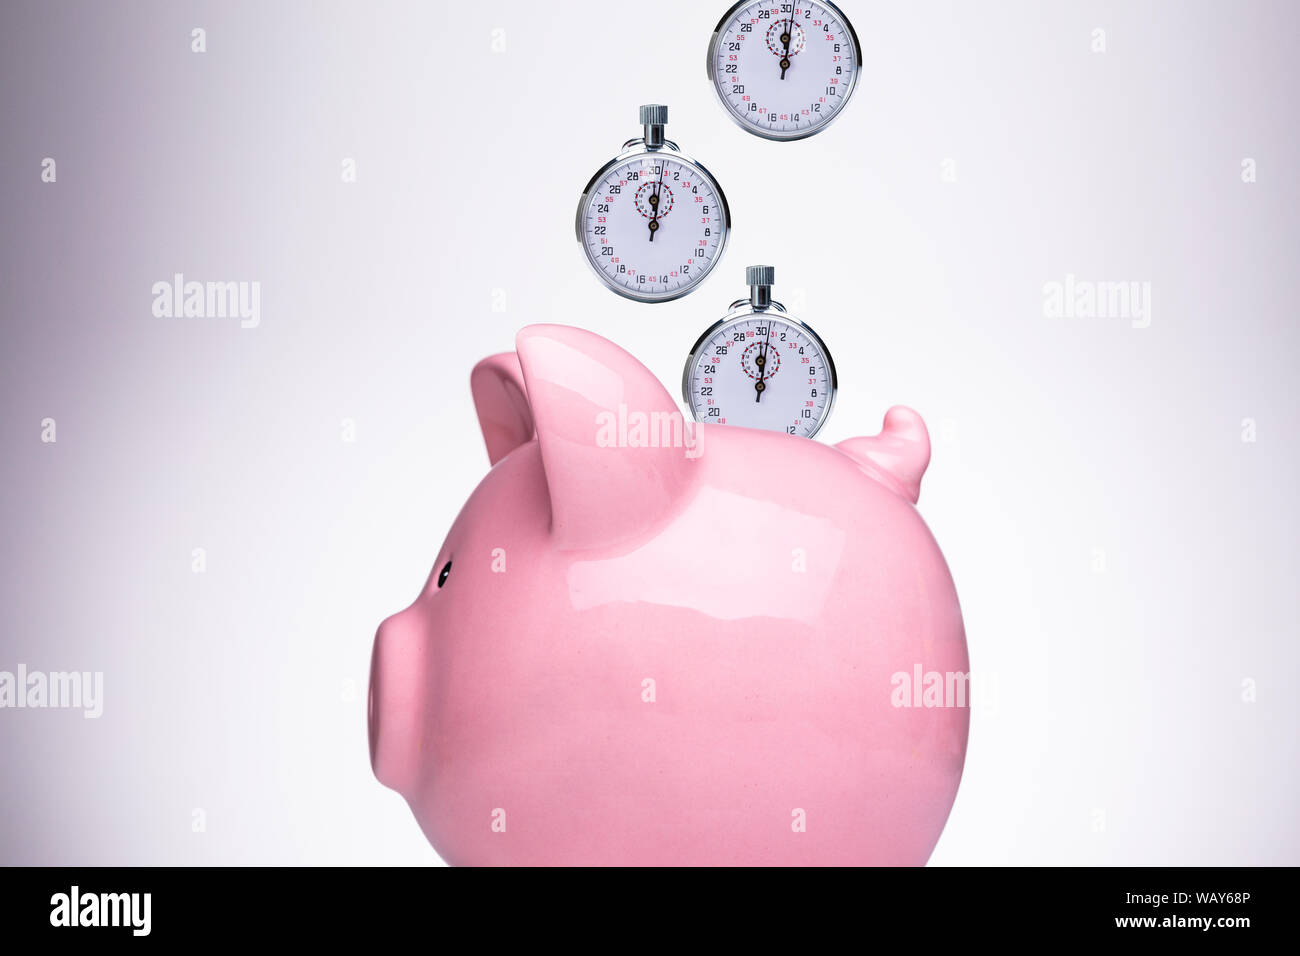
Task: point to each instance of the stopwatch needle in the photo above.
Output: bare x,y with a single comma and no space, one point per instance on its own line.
761,361
654,204
785,38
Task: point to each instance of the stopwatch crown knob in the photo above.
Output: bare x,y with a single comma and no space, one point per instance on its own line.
654,114
654,117
760,279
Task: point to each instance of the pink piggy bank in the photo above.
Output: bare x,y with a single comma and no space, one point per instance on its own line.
647,641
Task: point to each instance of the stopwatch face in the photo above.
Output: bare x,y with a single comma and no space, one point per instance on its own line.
653,223
761,370
784,70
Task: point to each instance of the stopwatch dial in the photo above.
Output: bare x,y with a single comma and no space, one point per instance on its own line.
761,372
784,69
653,225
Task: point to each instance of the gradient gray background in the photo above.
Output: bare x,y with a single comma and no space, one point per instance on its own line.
1109,727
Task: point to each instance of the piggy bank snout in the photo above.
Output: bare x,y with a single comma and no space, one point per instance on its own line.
396,704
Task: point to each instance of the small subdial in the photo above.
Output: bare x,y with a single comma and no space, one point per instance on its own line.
652,196
781,31
760,359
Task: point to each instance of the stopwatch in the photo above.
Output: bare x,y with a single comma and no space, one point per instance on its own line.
784,70
652,221
760,367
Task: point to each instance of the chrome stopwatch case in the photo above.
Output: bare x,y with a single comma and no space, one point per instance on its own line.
652,222
760,367
784,70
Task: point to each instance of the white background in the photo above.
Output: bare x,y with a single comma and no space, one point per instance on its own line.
1125,561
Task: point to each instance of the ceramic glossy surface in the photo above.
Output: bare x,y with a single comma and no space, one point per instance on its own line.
669,643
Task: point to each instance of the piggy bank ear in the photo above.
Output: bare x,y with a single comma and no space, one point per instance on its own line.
617,453
497,384
898,456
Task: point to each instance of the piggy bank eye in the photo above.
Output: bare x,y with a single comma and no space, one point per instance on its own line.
444,574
